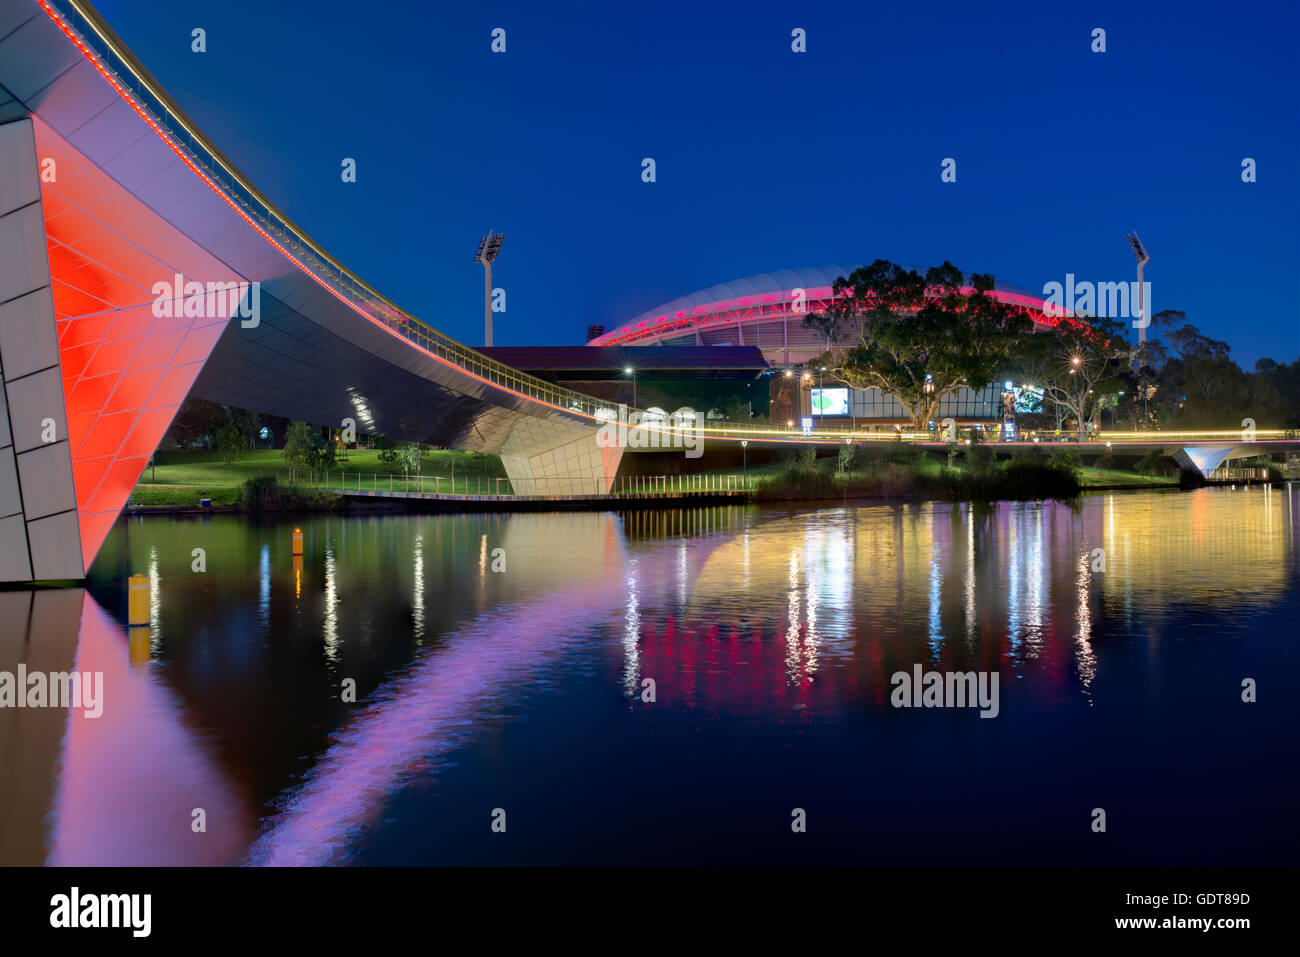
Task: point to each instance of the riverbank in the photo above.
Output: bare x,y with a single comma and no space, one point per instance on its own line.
1017,480
178,482
818,486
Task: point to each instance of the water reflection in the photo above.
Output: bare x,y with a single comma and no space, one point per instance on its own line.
631,635
120,787
332,604
432,708
767,621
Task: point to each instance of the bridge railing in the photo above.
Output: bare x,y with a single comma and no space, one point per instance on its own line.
1257,473
493,486
158,109
858,433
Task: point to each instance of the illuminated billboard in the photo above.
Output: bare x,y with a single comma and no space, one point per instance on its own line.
830,402
1029,399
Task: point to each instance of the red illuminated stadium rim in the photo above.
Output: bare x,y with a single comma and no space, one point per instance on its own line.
657,326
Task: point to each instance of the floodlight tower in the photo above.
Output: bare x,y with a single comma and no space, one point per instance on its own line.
489,247
1140,252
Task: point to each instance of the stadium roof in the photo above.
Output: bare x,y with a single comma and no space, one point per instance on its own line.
782,280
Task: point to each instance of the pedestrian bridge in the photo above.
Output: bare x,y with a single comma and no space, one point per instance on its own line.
139,266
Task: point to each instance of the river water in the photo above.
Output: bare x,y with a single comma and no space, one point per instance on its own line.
708,686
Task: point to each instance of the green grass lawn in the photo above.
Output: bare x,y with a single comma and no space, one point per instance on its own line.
182,478
1090,475
184,496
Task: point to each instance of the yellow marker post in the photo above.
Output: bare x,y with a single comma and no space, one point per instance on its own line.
138,644
297,541
137,603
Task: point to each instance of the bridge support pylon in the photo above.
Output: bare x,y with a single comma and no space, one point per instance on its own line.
40,537
548,458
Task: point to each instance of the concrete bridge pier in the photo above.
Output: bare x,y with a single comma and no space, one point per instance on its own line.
544,457
1206,458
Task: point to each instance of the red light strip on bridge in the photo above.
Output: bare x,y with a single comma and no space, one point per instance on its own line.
107,74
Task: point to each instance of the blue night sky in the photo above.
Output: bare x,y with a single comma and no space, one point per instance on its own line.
766,159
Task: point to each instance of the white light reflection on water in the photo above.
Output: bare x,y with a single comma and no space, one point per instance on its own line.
968,526
331,624
417,591
434,706
1085,657
631,635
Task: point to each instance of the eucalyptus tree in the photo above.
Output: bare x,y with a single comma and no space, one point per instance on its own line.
919,337
1077,364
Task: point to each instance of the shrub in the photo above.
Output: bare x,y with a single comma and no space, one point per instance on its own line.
1025,477
320,453
895,482
296,440
979,458
389,451
1067,459
907,455
264,493
845,459
797,482
1149,464
229,441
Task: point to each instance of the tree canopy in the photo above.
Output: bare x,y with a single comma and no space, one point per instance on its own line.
919,337
1078,364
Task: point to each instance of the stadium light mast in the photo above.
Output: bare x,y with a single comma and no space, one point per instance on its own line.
489,247
1140,252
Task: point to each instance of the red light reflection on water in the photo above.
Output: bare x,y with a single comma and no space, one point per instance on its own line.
130,780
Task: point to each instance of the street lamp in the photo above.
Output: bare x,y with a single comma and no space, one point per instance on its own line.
631,370
744,451
489,247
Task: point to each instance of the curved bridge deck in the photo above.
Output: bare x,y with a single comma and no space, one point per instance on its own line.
139,266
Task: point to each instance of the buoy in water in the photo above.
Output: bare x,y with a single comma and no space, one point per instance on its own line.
137,600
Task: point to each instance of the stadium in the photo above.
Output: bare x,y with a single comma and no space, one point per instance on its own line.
766,312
